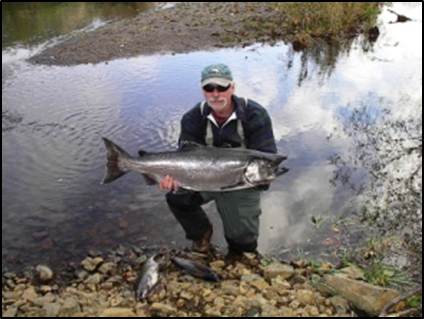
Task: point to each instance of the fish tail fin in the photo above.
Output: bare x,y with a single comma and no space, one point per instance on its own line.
114,154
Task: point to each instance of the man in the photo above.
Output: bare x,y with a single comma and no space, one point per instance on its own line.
223,120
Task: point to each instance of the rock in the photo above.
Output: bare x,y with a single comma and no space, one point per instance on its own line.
213,312
94,279
287,312
305,297
51,310
30,294
276,269
90,264
44,273
10,312
70,307
118,312
107,268
218,265
163,309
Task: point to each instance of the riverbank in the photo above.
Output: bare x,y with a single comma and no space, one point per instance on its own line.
250,286
193,26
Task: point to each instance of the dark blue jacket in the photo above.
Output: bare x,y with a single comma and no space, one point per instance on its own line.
256,123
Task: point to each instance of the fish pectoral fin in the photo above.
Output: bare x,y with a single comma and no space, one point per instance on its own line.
150,179
233,186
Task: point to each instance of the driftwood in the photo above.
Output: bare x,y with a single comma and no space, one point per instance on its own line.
405,313
384,312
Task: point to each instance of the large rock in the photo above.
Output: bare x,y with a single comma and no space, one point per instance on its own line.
276,269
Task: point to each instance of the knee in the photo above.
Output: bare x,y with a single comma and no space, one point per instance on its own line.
186,201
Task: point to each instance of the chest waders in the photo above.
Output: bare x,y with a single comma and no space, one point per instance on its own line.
239,210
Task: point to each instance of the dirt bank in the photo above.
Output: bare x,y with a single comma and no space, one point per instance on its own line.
188,26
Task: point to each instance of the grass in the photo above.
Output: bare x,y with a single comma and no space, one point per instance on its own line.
414,302
320,30
379,274
306,23
370,258
332,21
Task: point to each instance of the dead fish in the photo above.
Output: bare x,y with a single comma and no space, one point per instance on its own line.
197,269
197,167
147,278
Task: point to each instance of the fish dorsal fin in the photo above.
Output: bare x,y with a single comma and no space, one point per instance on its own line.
141,153
189,145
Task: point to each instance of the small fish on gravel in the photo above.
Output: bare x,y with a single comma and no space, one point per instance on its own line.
197,269
147,278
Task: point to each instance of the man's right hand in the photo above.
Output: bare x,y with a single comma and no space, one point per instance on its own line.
168,182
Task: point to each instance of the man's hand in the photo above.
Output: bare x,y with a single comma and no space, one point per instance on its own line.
168,182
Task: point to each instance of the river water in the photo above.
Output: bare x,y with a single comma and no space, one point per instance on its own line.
53,206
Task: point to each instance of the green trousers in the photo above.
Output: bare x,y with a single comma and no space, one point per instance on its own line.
239,211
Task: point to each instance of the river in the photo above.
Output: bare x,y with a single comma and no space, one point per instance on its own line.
53,206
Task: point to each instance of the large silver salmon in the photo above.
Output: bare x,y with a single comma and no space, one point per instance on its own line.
197,167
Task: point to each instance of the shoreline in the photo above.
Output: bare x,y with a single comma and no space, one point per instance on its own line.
249,285
162,31
194,26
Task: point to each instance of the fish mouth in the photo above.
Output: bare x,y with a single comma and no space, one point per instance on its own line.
268,181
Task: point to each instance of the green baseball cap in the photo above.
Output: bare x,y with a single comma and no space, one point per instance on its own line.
217,74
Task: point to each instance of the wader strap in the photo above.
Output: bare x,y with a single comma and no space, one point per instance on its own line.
240,132
209,133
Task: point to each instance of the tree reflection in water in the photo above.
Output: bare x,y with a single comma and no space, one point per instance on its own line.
387,149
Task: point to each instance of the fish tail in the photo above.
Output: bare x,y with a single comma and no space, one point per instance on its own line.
114,154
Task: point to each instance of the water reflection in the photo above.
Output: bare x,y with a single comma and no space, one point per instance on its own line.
53,207
389,149
383,163
35,22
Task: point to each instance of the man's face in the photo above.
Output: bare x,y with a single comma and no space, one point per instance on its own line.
217,96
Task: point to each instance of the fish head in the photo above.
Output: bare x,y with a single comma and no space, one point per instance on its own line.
261,171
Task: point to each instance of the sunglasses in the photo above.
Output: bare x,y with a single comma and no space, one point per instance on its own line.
210,88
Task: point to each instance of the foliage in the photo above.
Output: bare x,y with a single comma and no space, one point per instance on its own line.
331,21
379,274
414,302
